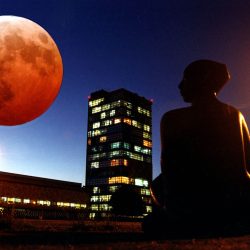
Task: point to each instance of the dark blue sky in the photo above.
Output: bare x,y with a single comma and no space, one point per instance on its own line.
139,45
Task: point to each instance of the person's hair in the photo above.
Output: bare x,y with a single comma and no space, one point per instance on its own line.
208,72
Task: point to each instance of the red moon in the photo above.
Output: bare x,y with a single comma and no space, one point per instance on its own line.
31,70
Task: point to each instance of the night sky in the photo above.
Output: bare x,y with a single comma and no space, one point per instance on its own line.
142,46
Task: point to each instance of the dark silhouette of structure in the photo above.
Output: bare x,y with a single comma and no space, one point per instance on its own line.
205,158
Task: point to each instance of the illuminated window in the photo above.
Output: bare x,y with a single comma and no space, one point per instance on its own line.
103,138
94,207
149,209
104,198
26,201
143,111
96,190
92,215
107,123
44,203
128,112
145,191
127,104
4,199
96,102
96,110
103,115
147,143
127,120
116,145
104,207
105,107
146,127
89,141
137,148
95,164
94,198
113,188
96,125
146,135
119,179
117,120
112,113
116,153
136,124
141,182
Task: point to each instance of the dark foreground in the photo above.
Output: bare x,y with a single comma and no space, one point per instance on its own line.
106,236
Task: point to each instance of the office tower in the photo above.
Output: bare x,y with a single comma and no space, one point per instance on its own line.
119,148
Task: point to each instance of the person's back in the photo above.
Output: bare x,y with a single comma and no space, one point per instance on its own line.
204,154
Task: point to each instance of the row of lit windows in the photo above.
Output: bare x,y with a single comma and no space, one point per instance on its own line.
111,163
119,153
107,114
143,111
127,180
95,102
125,145
117,180
112,189
145,191
100,198
97,132
41,202
128,121
100,207
112,105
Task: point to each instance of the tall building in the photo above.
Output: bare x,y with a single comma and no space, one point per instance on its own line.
119,147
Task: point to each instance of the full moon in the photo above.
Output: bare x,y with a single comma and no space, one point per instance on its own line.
31,70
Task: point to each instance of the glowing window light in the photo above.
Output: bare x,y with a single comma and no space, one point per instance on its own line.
113,188
89,142
127,121
104,198
146,127
92,215
116,145
149,209
147,143
117,120
4,199
96,190
26,201
96,125
119,179
94,198
112,113
94,207
146,135
141,182
105,107
103,115
96,102
96,110
107,123
103,139
95,164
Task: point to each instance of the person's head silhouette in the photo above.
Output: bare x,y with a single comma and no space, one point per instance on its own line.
201,79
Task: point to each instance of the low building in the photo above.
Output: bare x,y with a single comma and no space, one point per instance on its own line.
25,196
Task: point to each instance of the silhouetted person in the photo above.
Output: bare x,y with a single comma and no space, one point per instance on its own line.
205,158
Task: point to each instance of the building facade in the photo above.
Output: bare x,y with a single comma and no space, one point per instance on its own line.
23,196
119,148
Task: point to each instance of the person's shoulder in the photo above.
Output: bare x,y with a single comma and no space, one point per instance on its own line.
230,109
